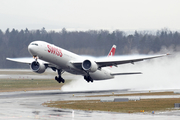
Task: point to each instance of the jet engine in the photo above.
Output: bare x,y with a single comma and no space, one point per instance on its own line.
38,67
89,66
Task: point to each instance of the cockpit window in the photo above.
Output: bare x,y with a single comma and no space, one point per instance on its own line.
34,44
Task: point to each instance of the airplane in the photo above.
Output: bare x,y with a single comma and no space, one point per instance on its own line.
46,55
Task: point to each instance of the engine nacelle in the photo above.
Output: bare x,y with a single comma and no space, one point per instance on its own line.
89,66
38,67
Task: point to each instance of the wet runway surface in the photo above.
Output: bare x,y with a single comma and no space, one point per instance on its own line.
28,105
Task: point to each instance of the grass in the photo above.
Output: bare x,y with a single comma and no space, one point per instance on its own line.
25,84
147,105
9,85
136,94
23,72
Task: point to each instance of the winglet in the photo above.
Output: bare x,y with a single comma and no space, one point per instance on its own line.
112,51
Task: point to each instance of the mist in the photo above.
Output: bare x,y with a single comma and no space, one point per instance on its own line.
158,74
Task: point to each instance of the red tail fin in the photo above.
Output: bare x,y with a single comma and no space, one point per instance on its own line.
112,51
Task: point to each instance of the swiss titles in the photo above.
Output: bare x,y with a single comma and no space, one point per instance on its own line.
54,50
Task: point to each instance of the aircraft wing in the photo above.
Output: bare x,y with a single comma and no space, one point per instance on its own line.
25,60
21,60
29,60
114,61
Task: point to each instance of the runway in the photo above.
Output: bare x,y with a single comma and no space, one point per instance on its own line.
28,106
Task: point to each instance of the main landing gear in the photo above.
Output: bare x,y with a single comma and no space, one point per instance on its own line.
59,78
88,78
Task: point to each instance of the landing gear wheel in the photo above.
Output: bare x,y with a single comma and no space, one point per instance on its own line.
60,79
57,79
88,78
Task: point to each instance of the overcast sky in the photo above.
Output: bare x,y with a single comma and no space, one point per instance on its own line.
90,14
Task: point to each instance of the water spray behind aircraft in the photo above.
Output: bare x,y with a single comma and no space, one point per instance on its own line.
163,73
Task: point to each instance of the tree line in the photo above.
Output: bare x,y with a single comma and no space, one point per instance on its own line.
14,43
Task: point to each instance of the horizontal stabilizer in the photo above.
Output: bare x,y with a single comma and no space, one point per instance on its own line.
126,73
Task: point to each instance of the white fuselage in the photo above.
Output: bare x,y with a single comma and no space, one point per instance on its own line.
62,58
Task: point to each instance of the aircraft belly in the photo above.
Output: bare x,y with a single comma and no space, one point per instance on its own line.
101,74
76,72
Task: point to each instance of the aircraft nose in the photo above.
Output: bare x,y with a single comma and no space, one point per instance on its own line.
31,49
